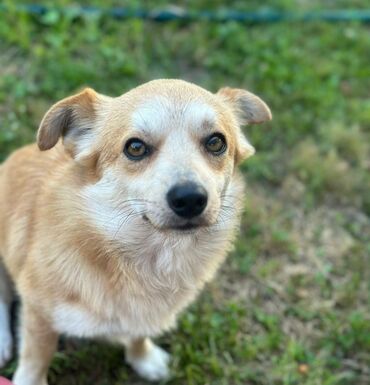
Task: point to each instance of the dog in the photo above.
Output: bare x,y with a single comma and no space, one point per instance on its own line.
114,221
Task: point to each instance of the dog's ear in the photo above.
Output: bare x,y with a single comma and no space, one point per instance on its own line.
248,109
72,119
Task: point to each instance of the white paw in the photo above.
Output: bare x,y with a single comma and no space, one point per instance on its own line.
6,347
27,374
153,366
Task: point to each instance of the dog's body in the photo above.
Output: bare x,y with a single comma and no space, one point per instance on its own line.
86,233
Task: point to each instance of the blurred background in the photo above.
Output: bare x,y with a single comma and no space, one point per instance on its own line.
291,304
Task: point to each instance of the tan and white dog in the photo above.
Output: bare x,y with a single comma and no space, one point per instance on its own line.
117,223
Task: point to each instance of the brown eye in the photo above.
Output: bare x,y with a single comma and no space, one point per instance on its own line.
136,149
216,144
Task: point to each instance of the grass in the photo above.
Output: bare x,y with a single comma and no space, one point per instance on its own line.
291,305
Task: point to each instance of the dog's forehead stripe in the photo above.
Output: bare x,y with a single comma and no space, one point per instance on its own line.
163,113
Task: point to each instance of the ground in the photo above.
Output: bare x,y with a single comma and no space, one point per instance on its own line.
291,304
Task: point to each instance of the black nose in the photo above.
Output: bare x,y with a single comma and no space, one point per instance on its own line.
187,200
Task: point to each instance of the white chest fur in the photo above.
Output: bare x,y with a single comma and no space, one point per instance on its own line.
167,281
74,320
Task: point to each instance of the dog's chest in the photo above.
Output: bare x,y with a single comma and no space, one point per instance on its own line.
129,317
166,281
75,320
145,307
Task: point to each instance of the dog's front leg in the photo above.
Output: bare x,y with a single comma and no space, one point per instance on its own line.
37,346
147,359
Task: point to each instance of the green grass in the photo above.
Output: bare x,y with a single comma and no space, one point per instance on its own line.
295,291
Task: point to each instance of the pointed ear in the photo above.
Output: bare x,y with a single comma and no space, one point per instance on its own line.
248,109
72,119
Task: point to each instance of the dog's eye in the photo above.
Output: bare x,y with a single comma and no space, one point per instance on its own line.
216,144
136,149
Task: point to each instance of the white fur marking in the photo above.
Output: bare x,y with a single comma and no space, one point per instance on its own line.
197,113
153,366
6,339
72,320
161,115
102,198
84,144
28,374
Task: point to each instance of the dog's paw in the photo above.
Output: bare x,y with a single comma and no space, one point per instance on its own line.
6,347
153,366
25,375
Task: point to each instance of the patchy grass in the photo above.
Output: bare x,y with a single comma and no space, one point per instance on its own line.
291,304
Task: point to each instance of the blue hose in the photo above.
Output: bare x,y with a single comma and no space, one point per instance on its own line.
263,16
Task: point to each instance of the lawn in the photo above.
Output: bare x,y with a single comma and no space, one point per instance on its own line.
291,304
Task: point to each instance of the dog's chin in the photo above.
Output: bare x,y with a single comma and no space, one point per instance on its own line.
183,227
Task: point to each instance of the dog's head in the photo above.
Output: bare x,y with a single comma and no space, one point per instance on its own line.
165,151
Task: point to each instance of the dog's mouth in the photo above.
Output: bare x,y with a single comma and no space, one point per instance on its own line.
187,227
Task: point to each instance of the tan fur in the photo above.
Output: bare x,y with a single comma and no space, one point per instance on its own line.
64,265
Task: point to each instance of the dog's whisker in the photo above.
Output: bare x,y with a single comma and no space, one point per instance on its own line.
133,214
